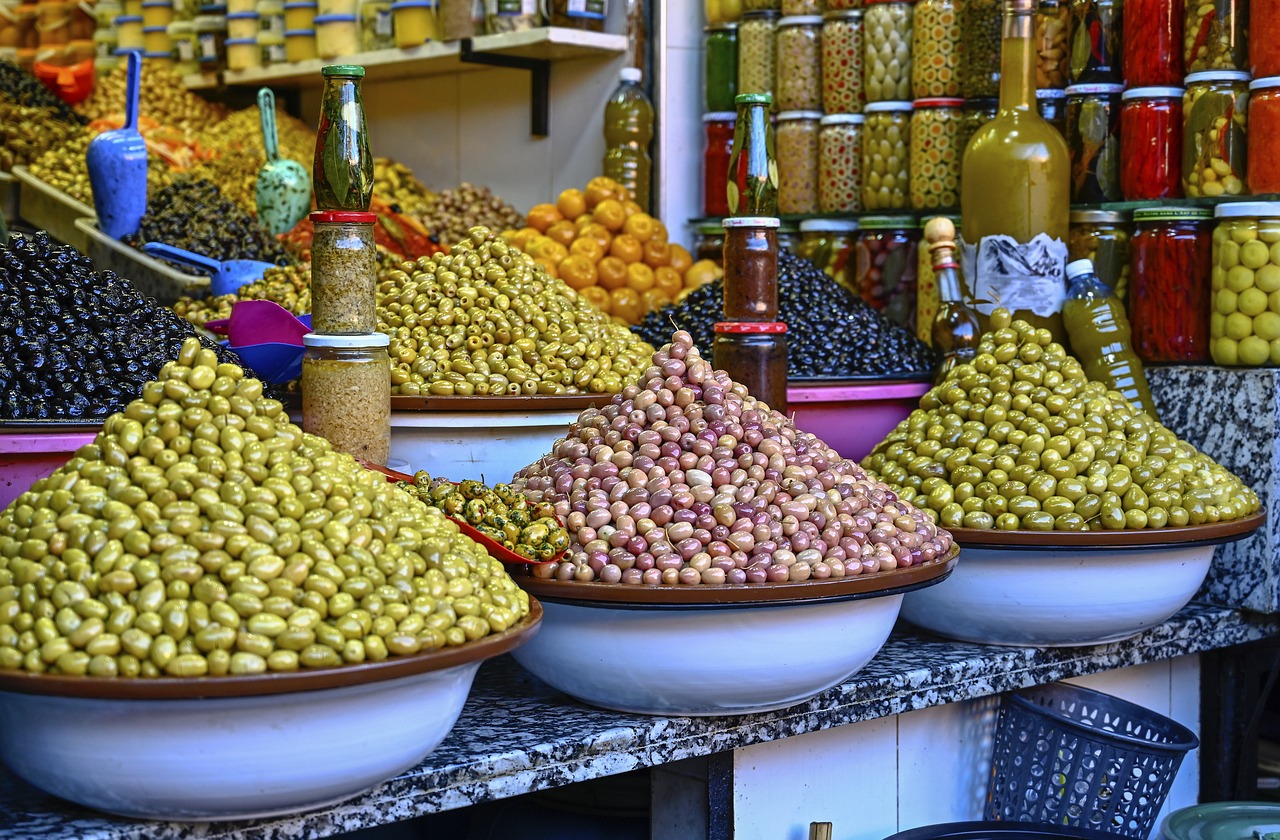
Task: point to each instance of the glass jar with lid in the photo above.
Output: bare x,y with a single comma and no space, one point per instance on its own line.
979,112
1151,143
829,244
935,49
1264,129
1052,105
803,7
1153,43
720,66
842,62
757,59
1093,141
511,16
840,163
1244,326
1169,291
1102,236
708,243
715,161
886,148
799,64
1215,35
762,5
346,392
885,266
935,153
1214,146
980,58
886,42
1053,44
1096,27
722,11
796,141
1264,42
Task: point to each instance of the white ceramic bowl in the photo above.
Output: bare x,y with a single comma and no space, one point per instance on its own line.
472,444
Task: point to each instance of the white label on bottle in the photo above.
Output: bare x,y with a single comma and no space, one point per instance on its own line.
382,23
1005,273
517,8
585,8
208,47
186,51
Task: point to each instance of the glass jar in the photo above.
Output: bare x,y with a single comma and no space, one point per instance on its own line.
762,5
828,244
1169,293
788,237
708,243
1093,139
344,273
1215,35
840,163
343,168
935,49
799,64
842,62
300,45
928,299
376,32
1103,237
1264,129
185,47
415,22
757,60
885,266
346,393
1244,327
797,147
715,161
755,354
337,35
511,16
271,18
843,5
458,19
935,153
751,269
300,15
720,66
886,44
588,15
980,58
1151,143
1052,105
1214,145
1053,44
1096,27
1264,41
722,11
211,36
1153,43
752,180
803,7
979,112
271,45
886,151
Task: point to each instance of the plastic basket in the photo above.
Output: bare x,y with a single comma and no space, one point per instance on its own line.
9,191
49,209
1071,756
151,276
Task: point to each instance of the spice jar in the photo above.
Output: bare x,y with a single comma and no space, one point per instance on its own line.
1096,27
886,42
1264,129
928,298
752,180
722,11
337,35
1169,291
1053,52
935,153
343,273
1264,40
129,34
300,14
797,147
1151,143
1102,236
414,22
376,29
343,166
798,86
1214,147
980,58
459,19
708,243
1153,43
755,354
720,66
842,62
840,163
1244,327
1215,35
1093,140
751,269
300,44
346,392
587,15
156,39
239,25
886,173
511,16
829,244
885,266
1052,105
757,61
979,112
154,13
935,49
715,162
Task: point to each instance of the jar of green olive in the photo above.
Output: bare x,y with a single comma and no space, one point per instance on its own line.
799,63
344,273
935,49
828,244
886,145
842,62
1052,105
935,153
1102,236
980,58
796,142
1213,133
1244,326
886,43
840,163
346,392
756,54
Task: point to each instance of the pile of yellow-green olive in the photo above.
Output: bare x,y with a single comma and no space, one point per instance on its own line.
202,533
1020,439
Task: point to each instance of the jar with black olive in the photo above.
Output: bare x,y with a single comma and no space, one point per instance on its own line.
1093,141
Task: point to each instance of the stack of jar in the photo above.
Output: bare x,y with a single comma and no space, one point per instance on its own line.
157,16
300,30
271,29
337,28
210,27
242,51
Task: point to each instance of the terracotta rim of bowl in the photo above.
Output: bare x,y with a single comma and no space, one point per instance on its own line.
1217,532
199,688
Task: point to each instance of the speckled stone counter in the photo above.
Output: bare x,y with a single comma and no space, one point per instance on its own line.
517,735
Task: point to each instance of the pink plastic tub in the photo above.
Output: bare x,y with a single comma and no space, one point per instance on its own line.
853,418
26,457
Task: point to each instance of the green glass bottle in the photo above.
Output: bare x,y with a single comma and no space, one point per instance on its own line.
753,167
343,163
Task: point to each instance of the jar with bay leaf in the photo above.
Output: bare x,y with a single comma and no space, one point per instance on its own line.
1096,41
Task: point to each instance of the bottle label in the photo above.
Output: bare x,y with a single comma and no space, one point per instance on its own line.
1005,273
517,8
186,50
208,47
585,8
382,23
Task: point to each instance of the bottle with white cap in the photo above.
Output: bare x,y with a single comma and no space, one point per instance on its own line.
628,130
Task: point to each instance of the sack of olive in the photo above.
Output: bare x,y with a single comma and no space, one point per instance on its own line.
27,132
202,533
685,478
831,332
77,343
1020,439
486,319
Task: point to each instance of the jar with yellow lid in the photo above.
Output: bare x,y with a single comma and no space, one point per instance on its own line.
1244,326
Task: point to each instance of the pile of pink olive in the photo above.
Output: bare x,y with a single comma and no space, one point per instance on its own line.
687,479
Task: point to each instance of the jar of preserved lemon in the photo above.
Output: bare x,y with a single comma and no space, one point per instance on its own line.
1244,325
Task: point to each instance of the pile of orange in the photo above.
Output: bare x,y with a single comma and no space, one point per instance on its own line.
601,243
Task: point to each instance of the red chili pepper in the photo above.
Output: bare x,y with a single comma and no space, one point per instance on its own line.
1223,145
1202,37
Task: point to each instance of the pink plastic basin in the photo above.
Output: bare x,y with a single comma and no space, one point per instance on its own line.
852,419
26,457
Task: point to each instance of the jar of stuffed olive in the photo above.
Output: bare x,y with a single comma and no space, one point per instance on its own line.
756,54
886,150
935,153
977,113
1214,146
720,66
840,163
796,143
1102,236
799,64
1215,34
886,62
842,62
980,58
1244,326
1096,41
927,297
1052,38
935,49
1052,105
1093,141
829,244
886,266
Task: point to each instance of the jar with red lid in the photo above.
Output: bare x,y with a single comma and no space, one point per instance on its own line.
1152,43
1262,160
715,162
1151,143
755,354
885,266
840,163
1169,291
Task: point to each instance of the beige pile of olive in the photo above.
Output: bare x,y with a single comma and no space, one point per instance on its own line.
1020,439
238,153
64,169
202,533
457,211
395,184
27,133
289,286
163,98
488,320
684,478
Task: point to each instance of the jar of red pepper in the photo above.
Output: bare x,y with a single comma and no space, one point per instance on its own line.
1151,143
1264,40
1153,42
715,162
1264,117
1169,296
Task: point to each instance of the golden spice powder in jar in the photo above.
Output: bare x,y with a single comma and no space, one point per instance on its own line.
344,273
346,392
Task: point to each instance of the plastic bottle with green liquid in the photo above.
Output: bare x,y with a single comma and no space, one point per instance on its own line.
628,130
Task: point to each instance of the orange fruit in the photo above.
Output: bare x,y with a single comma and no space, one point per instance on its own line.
543,216
654,299
680,259
668,281
626,304
548,249
587,247
599,189
657,253
564,232
599,298
611,273
548,265
640,277
578,271
630,207
702,272
610,214
571,203
583,221
659,231
524,236
598,232
626,248
639,225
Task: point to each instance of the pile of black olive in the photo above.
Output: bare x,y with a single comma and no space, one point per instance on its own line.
22,88
77,343
831,332
194,215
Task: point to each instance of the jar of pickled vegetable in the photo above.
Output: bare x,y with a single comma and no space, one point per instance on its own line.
715,161
796,141
720,66
1053,54
829,244
1244,327
708,243
843,5
1169,293
935,153
886,146
1093,140
762,5
1214,146
842,62
756,56
1215,35
840,163
886,62
980,58
927,297
803,7
1052,105
1151,143
1102,236
1264,40
979,112
1153,43
885,266
935,49
1264,129
1096,41
799,82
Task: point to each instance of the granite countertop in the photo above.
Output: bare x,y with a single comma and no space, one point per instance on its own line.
518,735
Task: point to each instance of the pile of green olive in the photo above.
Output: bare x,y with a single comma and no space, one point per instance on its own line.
289,286
488,320
501,513
1020,439
202,533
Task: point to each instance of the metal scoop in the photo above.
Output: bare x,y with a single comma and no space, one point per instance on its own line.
283,191
225,276
117,162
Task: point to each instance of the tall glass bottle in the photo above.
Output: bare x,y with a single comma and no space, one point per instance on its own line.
343,163
955,332
1014,193
628,128
753,165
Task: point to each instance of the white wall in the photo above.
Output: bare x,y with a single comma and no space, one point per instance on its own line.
678,104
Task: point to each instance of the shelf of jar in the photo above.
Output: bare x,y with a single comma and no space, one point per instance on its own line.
794,219
200,81
1205,201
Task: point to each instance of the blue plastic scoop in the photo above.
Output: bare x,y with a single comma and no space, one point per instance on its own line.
225,276
117,163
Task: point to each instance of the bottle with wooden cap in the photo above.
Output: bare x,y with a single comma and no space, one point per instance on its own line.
956,329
